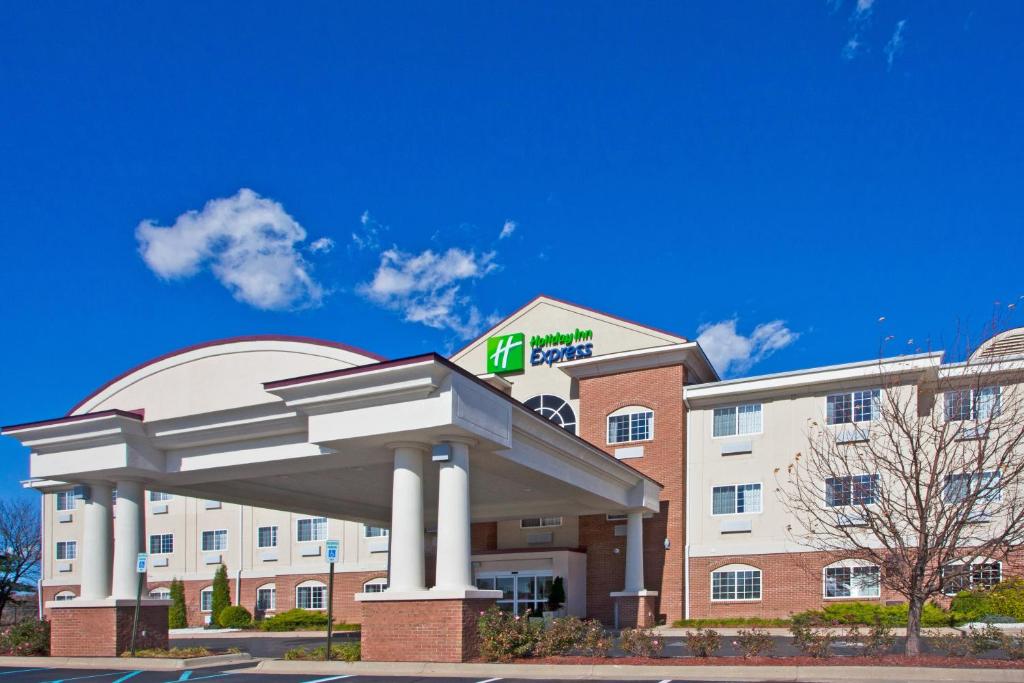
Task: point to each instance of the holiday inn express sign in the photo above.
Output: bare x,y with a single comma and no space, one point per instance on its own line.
507,352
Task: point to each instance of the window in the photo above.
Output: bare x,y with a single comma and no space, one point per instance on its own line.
539,522
521,592
852,582
159,496
374,532
160,593
215,540
310,596
312,529
67,550
983,485
266,598
64,595
959,577
736,499
630,424
616,517
851,407
737,420
375,586
972,404
266,537
859,489
555,409
736,584
68,500
206,599
161,544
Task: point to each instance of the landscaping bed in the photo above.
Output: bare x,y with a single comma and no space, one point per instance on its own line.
930,661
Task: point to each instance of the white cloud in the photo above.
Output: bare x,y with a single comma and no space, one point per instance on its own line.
731,352
321,246
424,287
247,241
895,44
507,229
860,18
368,237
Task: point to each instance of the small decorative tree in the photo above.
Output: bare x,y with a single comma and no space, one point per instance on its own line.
556,598
221,596
177,615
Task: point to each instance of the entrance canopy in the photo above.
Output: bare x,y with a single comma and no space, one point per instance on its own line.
219,422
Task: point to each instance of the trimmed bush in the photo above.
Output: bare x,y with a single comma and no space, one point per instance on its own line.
221,597
295,620
754,642
173,653
234,616
731,622
871,613
562,636
641,642
1004,599
704,642
505,637
27,638
344,652
177,613
556,598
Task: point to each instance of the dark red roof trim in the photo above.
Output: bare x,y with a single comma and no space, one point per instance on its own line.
130,414
221,342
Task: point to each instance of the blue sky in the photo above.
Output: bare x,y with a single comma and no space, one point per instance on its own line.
775,175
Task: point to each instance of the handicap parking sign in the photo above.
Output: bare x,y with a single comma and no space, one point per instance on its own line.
332,551
140,563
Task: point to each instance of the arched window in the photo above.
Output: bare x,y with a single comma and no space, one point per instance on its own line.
556,409
736,582
64,595
206,599
631,423
266,598
851,579
160,593
311,595
375,585
975,573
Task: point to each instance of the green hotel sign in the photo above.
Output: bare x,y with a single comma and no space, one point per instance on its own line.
507,352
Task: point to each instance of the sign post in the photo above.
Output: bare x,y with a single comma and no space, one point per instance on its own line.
140,569
331,550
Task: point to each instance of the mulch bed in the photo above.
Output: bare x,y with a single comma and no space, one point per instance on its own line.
933,661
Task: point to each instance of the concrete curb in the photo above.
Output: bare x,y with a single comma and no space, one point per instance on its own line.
243,633
818,674
143,663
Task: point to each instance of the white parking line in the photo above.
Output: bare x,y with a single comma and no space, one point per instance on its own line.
329,678
489,680
78,678
667,680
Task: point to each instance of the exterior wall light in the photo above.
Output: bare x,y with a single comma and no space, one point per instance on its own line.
668,543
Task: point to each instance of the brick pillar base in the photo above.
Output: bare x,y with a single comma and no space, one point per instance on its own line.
421,630
103,628
637,610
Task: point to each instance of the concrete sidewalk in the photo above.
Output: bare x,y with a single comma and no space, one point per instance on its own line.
817,674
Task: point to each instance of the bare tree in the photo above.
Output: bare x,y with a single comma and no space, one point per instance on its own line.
921,477
20,545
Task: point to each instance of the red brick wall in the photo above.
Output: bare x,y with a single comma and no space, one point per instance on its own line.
104,631
421,630
484,536
50,593
660,389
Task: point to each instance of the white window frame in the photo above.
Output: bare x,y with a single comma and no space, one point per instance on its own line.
987,475
630,412
384,532
73,495
208,591
272,588
734,569
161,537
972,398
312,525
851,565
542,522
978,562
63,596
876,396
877,484
378,585
758,484
159,497
160,593
273,534
736,420
66,545
216,533
310,585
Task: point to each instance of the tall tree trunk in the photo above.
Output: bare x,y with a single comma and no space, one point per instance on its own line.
913,647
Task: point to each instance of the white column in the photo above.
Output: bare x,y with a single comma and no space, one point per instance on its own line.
634,552
453,538
127,538
96,547
407,563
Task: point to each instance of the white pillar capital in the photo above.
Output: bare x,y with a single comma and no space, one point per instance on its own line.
453,521
406,556
97,523
128,531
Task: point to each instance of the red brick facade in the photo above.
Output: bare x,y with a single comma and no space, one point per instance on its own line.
421,630
661,390
105,631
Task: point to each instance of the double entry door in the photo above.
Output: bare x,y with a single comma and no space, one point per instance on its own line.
520,591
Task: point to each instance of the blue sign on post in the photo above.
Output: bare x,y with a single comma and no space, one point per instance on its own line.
333,549
140,563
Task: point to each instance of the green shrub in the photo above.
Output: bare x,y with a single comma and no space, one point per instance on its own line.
641,642
562,636
177,613
871,613
984,639
27,638
173,653
754,642
1003,599
505,637
221,597
295,620
344,652
704,642
595,641
731,622
556,598
234,616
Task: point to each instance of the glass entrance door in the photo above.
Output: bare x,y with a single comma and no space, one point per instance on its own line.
520,591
